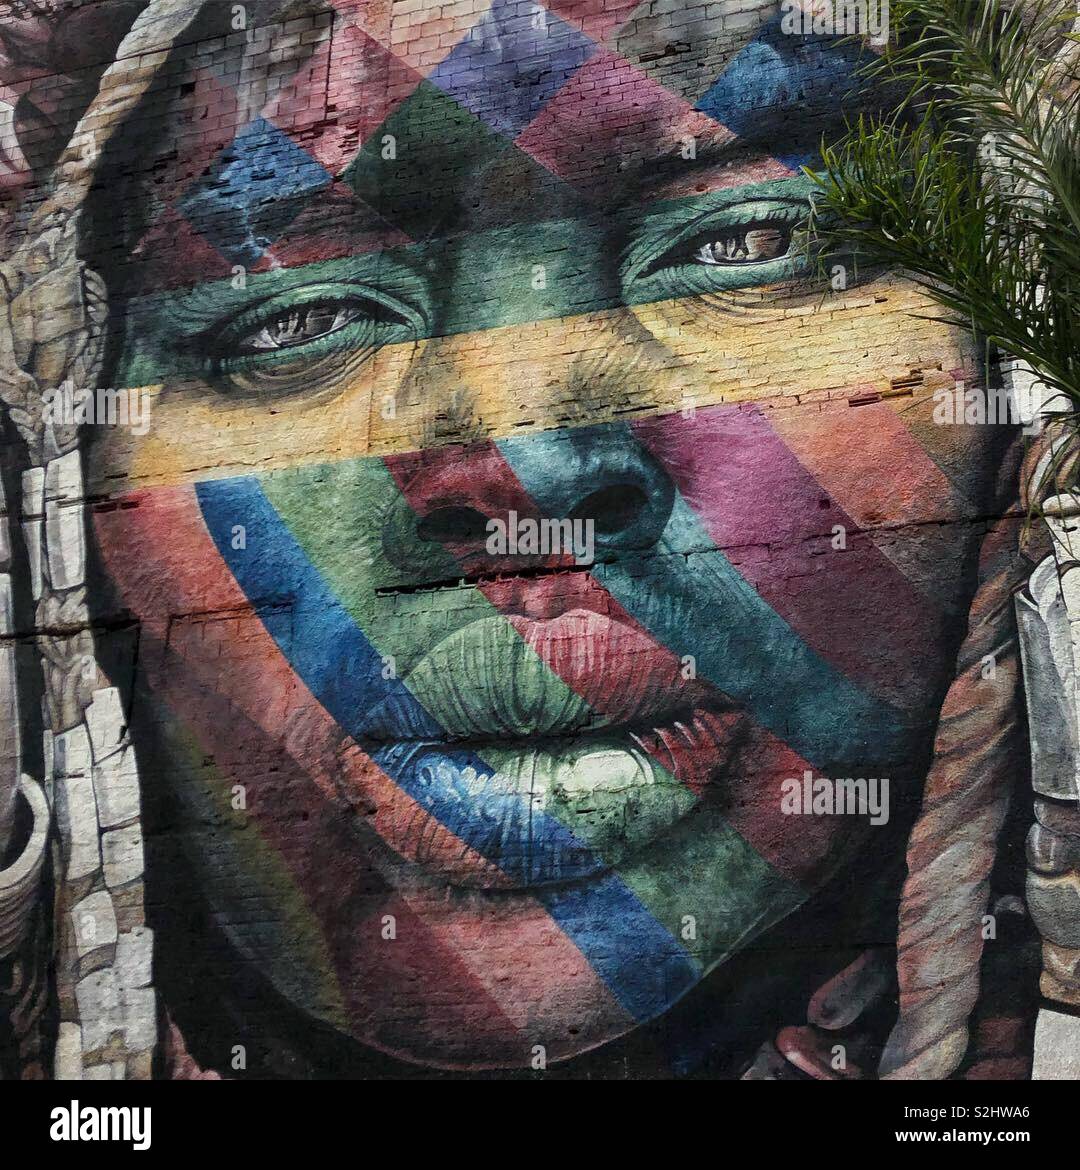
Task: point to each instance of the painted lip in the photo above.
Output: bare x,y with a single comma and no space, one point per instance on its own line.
519,815
514,677
565,747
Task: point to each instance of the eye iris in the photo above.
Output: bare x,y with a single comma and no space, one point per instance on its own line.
300,325
745,245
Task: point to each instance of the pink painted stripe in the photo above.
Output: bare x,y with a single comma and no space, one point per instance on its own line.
775,522
909,488
611,110
347,901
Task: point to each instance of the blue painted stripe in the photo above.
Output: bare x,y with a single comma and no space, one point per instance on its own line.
636,956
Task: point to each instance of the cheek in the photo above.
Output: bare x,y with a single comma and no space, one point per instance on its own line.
786,351
364,944
843,524
192,427
830,488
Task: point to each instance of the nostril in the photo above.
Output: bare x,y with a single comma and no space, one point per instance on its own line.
612,509
452,525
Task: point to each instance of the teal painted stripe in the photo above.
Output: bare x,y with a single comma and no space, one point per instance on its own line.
695,602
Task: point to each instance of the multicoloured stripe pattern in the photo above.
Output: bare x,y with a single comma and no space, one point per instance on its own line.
412,890
732,865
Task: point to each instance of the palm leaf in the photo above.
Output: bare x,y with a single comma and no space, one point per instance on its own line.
970,183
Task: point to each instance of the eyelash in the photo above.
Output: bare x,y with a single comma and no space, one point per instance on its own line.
263,347
699,255
263,350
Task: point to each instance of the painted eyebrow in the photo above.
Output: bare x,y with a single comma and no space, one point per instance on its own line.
669,166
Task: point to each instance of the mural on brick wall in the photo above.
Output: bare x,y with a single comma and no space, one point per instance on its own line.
475,598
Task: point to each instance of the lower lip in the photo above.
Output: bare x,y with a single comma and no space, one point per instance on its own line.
548,812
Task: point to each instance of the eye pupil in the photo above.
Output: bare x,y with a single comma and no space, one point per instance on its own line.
301,325
748,244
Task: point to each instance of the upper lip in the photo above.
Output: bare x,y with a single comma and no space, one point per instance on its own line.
517,678
541,749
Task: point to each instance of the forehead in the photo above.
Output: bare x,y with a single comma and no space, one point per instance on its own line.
388,123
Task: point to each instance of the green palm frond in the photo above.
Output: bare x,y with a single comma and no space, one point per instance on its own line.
971,182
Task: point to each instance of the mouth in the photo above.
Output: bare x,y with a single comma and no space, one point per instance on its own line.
543,753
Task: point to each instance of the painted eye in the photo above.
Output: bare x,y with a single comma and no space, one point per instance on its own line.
299,326
747,244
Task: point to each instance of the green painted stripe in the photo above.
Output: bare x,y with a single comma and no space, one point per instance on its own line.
698,869
702,868
337,513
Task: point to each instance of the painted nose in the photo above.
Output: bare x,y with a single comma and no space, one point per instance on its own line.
450,496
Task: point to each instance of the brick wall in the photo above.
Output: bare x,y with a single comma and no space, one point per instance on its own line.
361,277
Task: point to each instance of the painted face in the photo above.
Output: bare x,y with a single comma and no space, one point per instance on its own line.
457,799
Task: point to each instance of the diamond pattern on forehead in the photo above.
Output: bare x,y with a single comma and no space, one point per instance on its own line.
423,34
452,171
755,82
336,224
212,111
207,120
604,110
172,254
209,117
611,114
252,191
327,109
511,62
784,88
342,96
333,226
685,46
